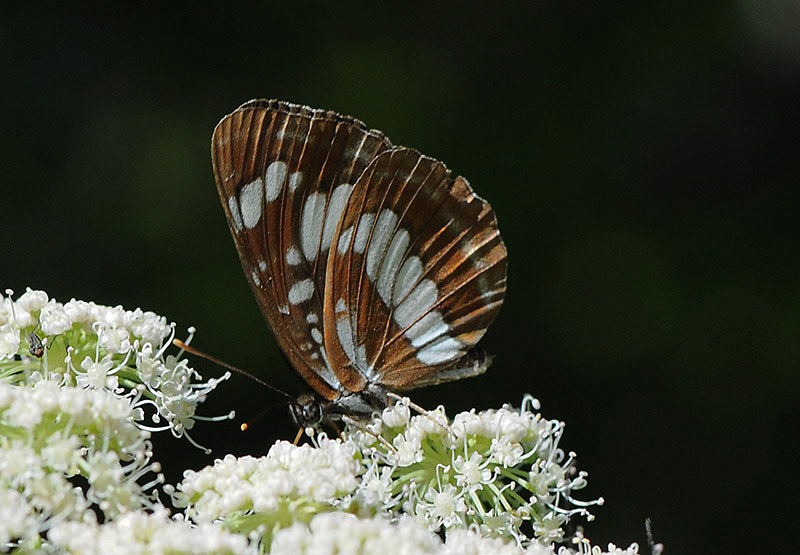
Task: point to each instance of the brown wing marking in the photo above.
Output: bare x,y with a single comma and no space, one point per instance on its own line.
271,159
419,278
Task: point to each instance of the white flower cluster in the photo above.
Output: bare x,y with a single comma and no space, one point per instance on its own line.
77,380
52,434
498,473
495,469
345,533
267,493
146,534
103,348
118,328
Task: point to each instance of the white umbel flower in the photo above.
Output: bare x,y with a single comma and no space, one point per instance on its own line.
19,520
54,318
9,341
261,495
74,444
102,347
346,533
32,301
53,434
500,470
83,385
146,534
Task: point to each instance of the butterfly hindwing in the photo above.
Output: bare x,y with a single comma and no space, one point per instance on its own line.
416,274
284,175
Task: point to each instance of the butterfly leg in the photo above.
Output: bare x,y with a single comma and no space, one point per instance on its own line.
359,426
424,412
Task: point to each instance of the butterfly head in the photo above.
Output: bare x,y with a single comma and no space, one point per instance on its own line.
306,411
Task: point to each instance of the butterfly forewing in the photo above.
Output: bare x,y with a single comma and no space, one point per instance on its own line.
284,175
416,274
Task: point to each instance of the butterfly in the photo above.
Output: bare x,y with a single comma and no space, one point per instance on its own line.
375,268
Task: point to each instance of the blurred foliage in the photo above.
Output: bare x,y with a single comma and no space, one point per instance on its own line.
642,161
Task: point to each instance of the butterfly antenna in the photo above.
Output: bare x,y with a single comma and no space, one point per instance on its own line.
181,345
247,425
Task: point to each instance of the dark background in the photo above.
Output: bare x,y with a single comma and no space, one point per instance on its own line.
642,162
